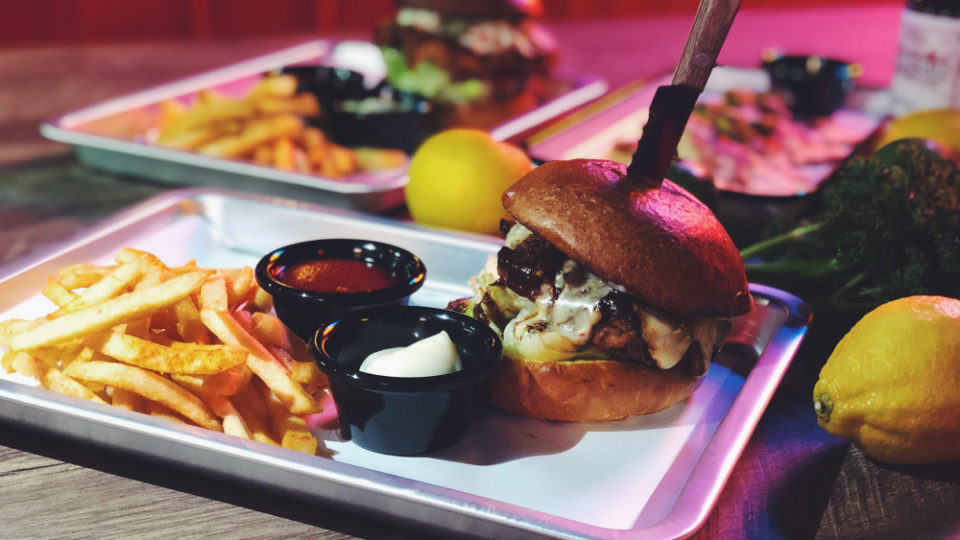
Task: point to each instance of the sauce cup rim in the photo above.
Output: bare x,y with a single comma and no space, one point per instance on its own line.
470,374
276,287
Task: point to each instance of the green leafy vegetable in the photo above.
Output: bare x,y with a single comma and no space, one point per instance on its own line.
428,80
888,227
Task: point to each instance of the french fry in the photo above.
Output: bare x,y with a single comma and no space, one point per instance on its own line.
27,365
49,377
188,358
184,343
123,308
230,418
54,354
109,286
189,326
268,329
58,293
189,139
233,422
6,361
251,405
379,159
303,104
82,275
148,385
261,363
86,354
283,154
56,381
278,86
171,110
255,133
291,429
241,283
161,411
129,255
13,327
125,399
308,375
263,155
213,295
261,302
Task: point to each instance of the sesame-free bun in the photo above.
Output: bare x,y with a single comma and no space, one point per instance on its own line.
659,244
587,390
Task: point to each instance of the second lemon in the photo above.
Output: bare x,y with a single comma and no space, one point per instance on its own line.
457,177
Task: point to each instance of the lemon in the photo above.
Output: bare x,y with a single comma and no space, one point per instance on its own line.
457,177
941,125
892,384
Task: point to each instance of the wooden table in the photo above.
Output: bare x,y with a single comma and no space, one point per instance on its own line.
793,480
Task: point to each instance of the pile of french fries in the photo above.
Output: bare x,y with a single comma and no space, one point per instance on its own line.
267,127
196,345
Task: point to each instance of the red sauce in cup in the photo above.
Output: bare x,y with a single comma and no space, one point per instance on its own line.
337,276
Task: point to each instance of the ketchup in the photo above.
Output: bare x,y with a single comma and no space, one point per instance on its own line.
337,276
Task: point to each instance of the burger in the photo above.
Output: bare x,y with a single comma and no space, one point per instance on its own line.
612,296
466,51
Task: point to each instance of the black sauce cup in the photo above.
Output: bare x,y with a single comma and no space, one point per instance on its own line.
814,86
404,415
304,311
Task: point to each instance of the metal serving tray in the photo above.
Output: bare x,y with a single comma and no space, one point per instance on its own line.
655,476
594,130
108,135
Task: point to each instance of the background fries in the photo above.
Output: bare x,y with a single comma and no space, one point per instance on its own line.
194,345
267,127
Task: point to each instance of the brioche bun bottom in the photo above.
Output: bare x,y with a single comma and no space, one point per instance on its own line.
587,390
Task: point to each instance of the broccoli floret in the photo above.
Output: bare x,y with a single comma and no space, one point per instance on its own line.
888,226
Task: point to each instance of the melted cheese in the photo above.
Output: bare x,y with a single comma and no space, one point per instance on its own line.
559,329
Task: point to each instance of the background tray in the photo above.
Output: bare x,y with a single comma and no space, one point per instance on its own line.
593,131
104,135
655,476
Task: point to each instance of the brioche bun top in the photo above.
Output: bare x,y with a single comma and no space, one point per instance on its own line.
660,245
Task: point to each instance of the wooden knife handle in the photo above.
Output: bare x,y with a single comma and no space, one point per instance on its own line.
710,28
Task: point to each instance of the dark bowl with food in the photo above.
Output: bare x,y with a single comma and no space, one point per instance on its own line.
813,85
403,415
330,84
312,282
356,115
383,117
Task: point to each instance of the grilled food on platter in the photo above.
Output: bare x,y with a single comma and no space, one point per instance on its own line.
460,51
611,297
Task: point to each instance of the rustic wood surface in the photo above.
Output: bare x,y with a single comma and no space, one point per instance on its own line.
792,481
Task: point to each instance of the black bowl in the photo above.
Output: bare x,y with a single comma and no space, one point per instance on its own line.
304,311
329,84
385,118
354,115
813,86
404,415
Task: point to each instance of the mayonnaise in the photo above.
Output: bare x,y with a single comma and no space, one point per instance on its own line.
435,355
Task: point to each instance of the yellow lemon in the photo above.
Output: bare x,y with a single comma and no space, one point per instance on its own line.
892,384
941,125
457,177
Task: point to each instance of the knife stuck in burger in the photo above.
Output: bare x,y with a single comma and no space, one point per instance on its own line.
615,288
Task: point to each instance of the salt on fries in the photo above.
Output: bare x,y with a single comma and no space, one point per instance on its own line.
196,345
267,127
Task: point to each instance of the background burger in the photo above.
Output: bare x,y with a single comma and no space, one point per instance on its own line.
611,296
470,51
